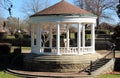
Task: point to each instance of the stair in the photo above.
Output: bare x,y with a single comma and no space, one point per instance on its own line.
97,64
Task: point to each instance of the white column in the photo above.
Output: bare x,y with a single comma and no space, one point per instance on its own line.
83,35
79,37
32,36
93,37
68,38
51,37
58,39
38,36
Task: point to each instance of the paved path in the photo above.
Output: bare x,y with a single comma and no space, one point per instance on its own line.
48,74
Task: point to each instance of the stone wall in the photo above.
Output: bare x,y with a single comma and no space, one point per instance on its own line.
52,66
107,68
65,63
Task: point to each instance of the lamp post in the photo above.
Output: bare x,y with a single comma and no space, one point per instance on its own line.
19,35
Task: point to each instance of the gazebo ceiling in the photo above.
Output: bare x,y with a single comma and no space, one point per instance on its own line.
63,8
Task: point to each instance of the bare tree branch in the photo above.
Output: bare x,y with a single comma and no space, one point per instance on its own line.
5,4
97,7
33,6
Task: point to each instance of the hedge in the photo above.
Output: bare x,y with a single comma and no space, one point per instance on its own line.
96,31
100,44
3,35
17,42
117,43
5,48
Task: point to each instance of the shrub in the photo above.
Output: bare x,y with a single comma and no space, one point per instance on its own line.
87,31
18,35
3,35
5,48
17,42
100,32
96,31
26,36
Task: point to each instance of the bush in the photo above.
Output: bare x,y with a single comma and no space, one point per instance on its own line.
117,43
5,48
96,31
101,32
26,36
100,44
87,31
3,35
17,42
18,35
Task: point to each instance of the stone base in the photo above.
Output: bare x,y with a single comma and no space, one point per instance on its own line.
64,63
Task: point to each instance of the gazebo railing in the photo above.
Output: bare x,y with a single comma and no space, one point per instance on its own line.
74,50
70,50
85,50
67,50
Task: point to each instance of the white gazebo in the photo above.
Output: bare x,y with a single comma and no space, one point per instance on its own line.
60,16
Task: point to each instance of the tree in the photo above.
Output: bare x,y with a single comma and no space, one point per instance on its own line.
116,37
12,24
6,5
45,30
116,32
33,6
105,26
97,7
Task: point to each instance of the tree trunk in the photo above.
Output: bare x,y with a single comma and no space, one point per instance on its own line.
97,22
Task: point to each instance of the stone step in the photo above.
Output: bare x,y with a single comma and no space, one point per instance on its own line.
98,64
65,63
67,57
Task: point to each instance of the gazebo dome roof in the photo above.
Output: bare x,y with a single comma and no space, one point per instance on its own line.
63,8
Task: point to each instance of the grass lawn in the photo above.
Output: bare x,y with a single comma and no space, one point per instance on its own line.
6,75
23,48
10,37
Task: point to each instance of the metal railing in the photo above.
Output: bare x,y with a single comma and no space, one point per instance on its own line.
109,55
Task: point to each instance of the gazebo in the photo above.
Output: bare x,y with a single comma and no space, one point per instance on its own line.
59,17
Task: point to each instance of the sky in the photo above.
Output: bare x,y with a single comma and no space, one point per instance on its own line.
17,4
17,11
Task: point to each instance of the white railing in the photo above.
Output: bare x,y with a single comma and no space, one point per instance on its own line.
65,50
86,50
70,50
48,49
74,50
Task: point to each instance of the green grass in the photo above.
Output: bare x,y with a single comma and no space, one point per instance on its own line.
6,75
10,37
23,48
110,76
